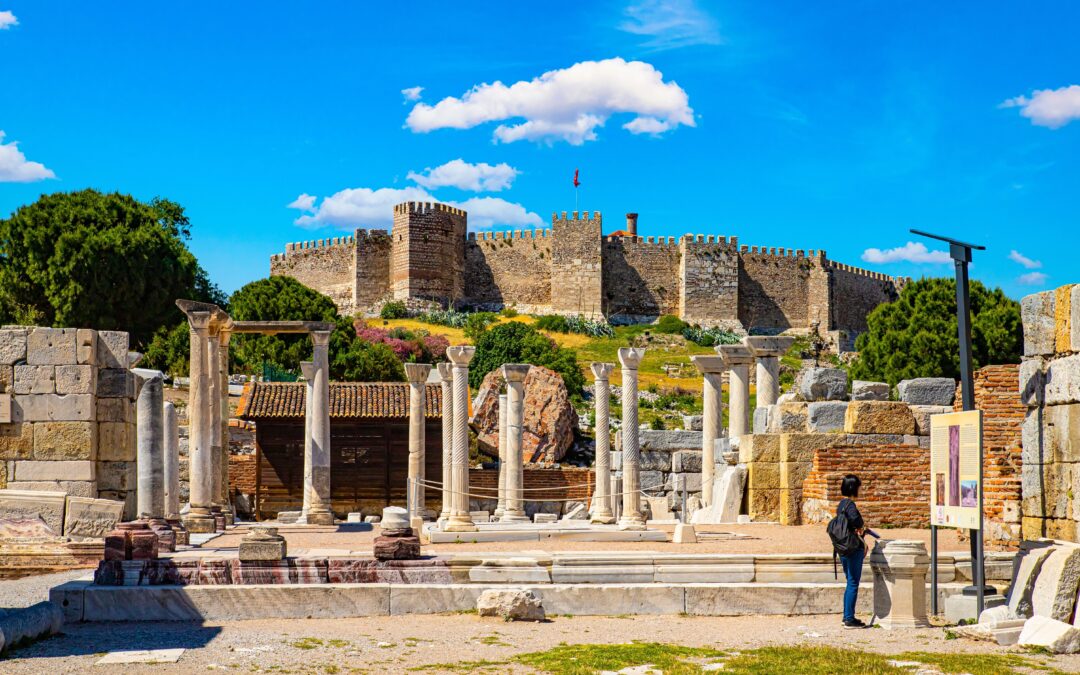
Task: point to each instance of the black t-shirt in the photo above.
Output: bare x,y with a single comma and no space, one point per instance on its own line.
848,508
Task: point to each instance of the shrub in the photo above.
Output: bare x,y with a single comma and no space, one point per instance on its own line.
509,312
516,342
710,337
394,309
575,324
553,322
477,323
406,345
445,317
670,324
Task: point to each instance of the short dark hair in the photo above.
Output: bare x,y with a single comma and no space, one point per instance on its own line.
849,487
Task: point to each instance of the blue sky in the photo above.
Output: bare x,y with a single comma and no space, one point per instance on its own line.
789,124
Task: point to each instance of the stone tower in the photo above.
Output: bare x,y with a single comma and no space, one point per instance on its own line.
427,259
576,272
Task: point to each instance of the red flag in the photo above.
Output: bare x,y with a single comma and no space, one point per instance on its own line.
576,181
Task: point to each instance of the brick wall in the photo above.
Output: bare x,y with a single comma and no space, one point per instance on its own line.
641,277
504,269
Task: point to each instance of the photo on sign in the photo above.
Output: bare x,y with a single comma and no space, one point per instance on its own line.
954,465
940,489
969,493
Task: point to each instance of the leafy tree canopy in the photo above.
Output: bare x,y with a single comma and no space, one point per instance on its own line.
916,336
516,342
95,260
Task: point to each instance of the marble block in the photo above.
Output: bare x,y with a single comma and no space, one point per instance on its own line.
131,541
91,518
288,571
22,504
368,571
262,544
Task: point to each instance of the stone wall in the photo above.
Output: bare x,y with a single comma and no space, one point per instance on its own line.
323,264
67,418
670,459
709,286
509,269
576,264
427,258
540,483
773,289
855,292
641,278
372,271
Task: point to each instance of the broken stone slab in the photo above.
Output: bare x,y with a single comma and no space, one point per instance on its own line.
576,511
1054,592
262,543
513,604
879,417
692,422
822,384
727,498
32,504
927,391
540,517
826,416
862,390
91,518
1052,634
1029,564
685,461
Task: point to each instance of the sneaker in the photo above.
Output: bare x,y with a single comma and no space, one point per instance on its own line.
854,623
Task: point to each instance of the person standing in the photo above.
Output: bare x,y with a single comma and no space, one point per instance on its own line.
846,531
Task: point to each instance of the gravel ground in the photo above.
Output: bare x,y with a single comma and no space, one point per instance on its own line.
760,538
397,645
16,593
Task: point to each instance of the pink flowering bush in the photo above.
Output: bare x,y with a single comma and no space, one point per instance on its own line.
408,346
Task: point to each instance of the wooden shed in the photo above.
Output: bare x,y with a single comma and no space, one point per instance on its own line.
369,445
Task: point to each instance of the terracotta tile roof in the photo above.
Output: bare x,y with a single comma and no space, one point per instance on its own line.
267,400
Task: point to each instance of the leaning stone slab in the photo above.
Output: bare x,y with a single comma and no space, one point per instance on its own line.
861,390
22,626
1054,592
91,518
1037,314
927,391
1027,571
826,416
1056,636
822,384
878,417
22,504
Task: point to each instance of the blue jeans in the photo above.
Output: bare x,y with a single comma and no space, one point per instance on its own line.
852,563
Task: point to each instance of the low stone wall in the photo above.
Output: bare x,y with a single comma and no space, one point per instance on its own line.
540,483
669,458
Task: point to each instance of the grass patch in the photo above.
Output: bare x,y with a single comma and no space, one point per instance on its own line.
494,640
588,659
307,643
810,661
462,667
976,664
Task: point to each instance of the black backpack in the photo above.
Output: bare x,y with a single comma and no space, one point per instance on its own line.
844,539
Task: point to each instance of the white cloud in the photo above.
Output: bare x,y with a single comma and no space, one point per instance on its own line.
670,24
1032,279
364,207
7,20
1051,108
464,176
567,104
646,125
14,167
412,93
1018,257
912,252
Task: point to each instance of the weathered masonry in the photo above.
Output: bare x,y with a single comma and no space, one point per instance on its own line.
574,268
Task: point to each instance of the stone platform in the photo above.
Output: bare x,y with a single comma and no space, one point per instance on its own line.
561,530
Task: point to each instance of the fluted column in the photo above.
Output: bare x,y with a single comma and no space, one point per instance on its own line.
514,374
171,465
200,462
460,521
319,511
225,497
737,358
417,374
632,516
711,369
500,506
446,374
768,349
213,370
307,373
602,399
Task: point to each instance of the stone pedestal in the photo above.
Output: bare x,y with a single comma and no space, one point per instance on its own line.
131,541
180,533
396,540
632,516
199,518
602,513
459,520
262,543
514,374
711,369
417,374
738,359
446,374
900,568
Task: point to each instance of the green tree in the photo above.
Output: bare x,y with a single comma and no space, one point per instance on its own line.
169,350
916,336
94,260
516,342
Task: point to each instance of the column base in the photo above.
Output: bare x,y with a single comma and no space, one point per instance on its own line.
460,524
511,517
317,518
199,524
632,523
603,519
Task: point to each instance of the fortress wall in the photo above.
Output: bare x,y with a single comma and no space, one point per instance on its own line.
710,286
372,255
640,276
774,288
576,264
855,292
509,268
325,265
428,252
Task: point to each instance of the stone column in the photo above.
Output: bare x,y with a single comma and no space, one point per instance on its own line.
319,512
514,374
900,569
171,465
225,497
738,359
632,516
711,369
213,376
459,514
150,455
602,395
417,374
446,373
200,463
768,349
500,506
307,372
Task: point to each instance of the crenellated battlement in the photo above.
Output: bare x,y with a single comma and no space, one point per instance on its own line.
501,235
864,273
576,215
427,207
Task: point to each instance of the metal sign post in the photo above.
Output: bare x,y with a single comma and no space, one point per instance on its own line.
961,255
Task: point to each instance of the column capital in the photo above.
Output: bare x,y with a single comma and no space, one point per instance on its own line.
768,345
708,364
417,373
446,371
307,370
515,372
735,355
602,371
630,357
224,336
320,338
460,355
199,322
